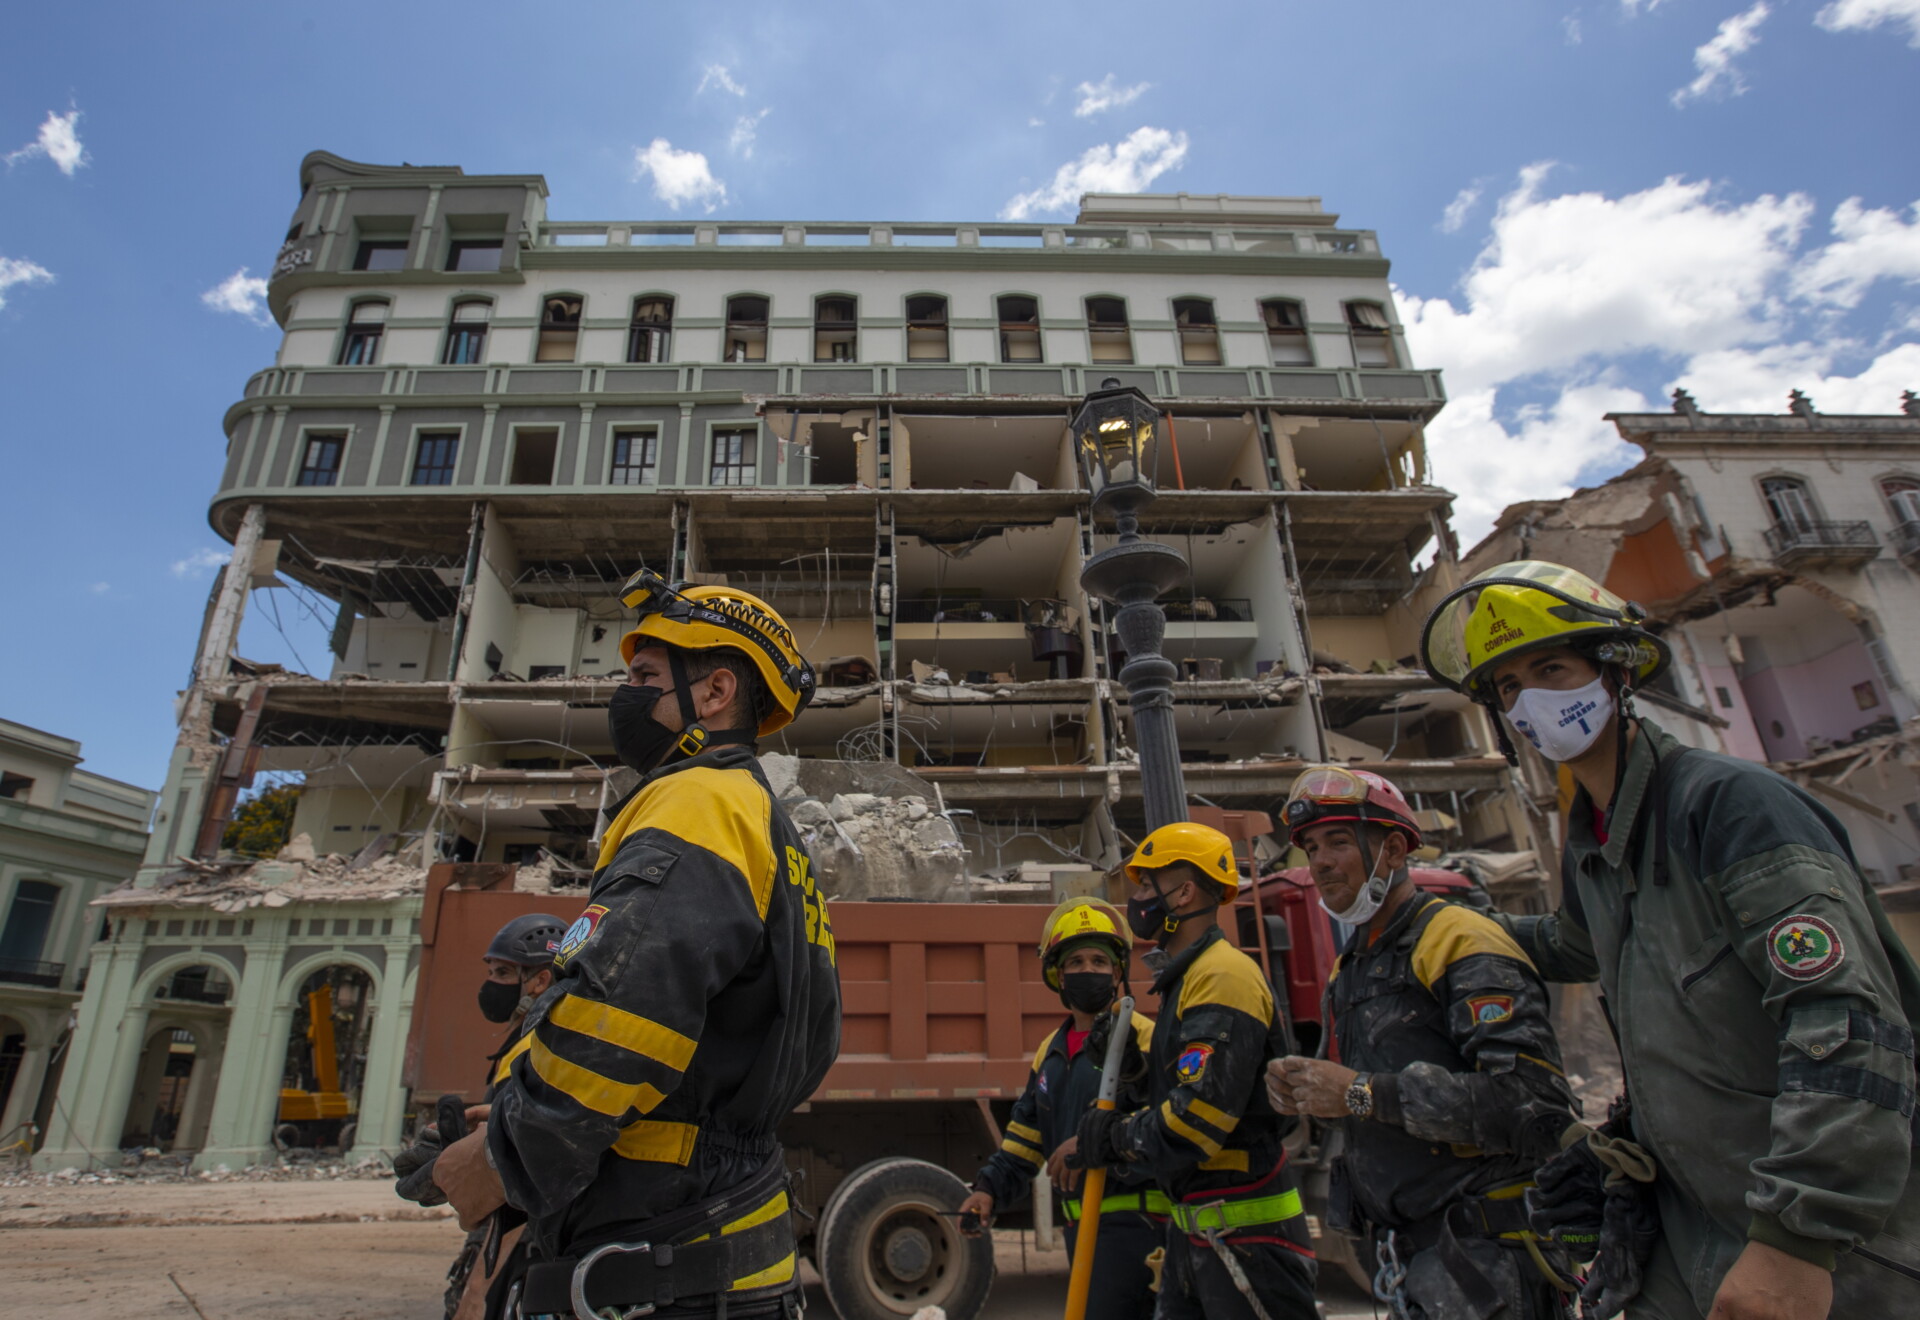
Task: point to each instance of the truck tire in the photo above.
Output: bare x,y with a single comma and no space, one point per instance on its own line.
889,1243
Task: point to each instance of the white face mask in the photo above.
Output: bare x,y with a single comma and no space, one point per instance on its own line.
1367,901
1562,725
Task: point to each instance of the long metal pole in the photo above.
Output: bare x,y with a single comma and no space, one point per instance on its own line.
1095,1186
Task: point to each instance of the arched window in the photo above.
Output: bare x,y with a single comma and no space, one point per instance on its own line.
559,328
1019,328
650,336
1789,503
366,322
1199,334
467,332
747,329
1372,334
1107,332
927,328
1286,333
836,329
1903,497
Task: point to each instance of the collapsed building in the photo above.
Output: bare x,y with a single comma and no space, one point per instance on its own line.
481,420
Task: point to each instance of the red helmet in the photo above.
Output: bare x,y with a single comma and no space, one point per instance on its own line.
1326,793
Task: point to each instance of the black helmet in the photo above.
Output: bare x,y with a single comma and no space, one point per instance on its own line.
531,940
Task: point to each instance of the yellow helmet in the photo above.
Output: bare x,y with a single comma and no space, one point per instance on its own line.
1526,604
1075,922
1184,841
702,618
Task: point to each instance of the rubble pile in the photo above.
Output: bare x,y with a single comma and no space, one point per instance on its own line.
150,1166
235,884
871,830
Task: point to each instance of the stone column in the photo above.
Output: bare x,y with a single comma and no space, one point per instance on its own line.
382,1098
248,1095
42,1028
90,1100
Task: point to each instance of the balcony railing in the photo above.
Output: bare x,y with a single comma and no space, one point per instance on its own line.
1796,543
28,971
1906,540
1208,609
960,611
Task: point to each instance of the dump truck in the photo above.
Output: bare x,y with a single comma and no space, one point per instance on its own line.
943,1007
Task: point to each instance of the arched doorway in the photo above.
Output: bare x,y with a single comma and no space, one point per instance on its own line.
326,1062
13,1056
179,1065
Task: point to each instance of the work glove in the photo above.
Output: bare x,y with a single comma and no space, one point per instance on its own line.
1568,1201
1096,1147
413,1170
1133,1060
1629,1231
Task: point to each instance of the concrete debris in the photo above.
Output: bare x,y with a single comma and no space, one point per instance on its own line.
1499,873
150,1166
235,884
549,875
871,829
299,849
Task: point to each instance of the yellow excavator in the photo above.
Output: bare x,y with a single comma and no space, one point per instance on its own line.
307,1110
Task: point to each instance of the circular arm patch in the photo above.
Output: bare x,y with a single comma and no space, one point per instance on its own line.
1804,947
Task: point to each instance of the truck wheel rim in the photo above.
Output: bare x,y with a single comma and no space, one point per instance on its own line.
913,1258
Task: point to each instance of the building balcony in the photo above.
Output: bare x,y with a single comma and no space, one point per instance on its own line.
1906,543
28,971
1821,544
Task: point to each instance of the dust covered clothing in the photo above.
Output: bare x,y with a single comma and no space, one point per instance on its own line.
1765,1010
1449,1020
697,1004
1212,1142
1061,1087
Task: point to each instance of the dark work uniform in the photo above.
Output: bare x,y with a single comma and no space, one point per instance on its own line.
1450,1019
697,1005
1060,1090
1212,1142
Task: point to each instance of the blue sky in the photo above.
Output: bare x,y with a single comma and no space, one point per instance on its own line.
1585,203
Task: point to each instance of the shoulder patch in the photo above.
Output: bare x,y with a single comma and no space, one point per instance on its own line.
1457,932
1191,1066
1804,947
1488,1009
579,933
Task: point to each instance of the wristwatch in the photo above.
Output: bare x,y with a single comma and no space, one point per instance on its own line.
1360,1096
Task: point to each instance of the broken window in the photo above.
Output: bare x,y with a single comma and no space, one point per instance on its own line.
1199,334
15,786
559,329
433,460
381,254
29,918
320,466
735,454
1372,334
1107,332
927,328
636,457
365,324
474,254
1019,328
1790,503
836,329
1286,333
650,336
467,332
747,329
1903,497
533,455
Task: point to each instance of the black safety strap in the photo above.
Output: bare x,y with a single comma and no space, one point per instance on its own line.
1854,1083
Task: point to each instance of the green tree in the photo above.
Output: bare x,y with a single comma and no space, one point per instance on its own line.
264,822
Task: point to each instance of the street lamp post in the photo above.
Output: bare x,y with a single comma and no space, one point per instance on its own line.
1117,436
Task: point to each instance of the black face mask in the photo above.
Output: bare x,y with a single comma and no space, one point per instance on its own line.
1089,992
1150,918
639,740
498,999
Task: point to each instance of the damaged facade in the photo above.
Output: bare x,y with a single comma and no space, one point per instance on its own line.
480,421
1780,557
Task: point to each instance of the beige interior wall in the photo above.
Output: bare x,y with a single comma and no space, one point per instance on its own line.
1357,639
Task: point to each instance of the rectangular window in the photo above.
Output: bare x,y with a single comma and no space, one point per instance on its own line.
533,455
1107,332
734,458
747,329
15,786
474,254
836,330
1199,334
1372,335
650,336
1286,333
365,324
559,330
321,464
28,920
467,334
381,254
636,457
927,329
433,463
1019,329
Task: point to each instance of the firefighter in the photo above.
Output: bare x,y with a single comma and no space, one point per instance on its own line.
1449,1085
1084,952
697,1002
519,962
1763,1005
1237,1243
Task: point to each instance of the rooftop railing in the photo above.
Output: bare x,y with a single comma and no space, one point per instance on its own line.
1195,235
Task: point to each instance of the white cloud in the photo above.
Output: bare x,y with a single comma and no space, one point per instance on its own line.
1873,245
58,142
716,75
1737,36
1129,166
100,588
1757,380
1456,213
1107,94
1859,15
1036,122
200,563
1635,6
1571,26
241,294
678,177
15,271
746,131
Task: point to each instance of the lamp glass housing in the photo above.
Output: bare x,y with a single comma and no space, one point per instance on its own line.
1117,435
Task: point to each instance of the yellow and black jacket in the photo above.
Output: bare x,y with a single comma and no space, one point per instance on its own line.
1208,1135
1449,1018
697,1004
